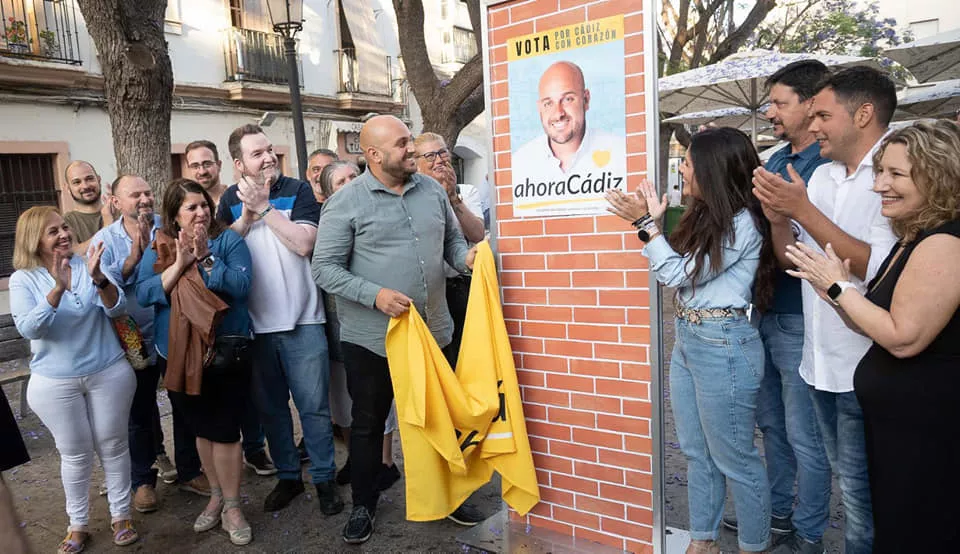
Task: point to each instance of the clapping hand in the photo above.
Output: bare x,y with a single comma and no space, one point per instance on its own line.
779,195
61,273
93,262
200,248
185,247
144,226
821,271
254,197
632,207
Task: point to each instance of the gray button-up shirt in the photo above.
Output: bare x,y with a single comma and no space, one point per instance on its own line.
370,238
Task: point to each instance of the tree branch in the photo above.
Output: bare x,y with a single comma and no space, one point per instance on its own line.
416,59
737,38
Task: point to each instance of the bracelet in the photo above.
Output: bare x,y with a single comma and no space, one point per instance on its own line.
642,220
102,284
265,211
649,229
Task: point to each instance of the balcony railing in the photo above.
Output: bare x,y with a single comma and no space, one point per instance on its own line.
43,30
349,71
255,56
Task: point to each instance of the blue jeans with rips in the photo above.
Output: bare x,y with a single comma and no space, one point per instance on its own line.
715,375
295,363
841,423
792,442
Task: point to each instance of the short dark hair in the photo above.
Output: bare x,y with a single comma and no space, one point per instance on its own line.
325,152
173,197
801,76
326,175
233,143
203,144
859,85
116,182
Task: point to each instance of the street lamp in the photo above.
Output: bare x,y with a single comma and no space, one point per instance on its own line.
287,19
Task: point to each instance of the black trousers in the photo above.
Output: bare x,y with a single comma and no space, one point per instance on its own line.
368,380
458,290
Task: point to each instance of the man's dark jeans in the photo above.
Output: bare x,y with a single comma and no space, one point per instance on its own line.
186,457
144,423
458,291
368,380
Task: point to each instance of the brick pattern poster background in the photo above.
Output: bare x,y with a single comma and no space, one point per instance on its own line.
576,298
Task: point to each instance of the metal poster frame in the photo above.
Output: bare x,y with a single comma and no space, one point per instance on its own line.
651,113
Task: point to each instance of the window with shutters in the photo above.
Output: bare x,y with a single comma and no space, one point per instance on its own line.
26,180
254,51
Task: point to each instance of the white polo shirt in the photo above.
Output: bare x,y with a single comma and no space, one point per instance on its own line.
831,350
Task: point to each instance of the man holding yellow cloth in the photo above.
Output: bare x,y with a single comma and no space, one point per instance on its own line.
381,244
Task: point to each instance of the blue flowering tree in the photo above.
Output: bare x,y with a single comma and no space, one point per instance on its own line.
842,27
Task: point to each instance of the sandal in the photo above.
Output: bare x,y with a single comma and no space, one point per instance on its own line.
703,547
208,520
70,545
124,533
241,536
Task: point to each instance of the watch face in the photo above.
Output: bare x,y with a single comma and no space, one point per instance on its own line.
834,291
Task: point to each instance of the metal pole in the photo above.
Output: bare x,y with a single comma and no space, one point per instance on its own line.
753,111
290,49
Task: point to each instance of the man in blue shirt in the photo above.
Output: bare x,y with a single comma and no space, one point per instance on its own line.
792,441
124,242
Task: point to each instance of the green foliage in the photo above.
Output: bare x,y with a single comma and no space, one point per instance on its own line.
843,27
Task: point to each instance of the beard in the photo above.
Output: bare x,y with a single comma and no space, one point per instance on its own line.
85,201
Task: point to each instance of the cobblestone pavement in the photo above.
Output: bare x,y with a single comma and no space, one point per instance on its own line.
298,528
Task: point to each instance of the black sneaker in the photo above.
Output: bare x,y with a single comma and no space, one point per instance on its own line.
387,477
281,495
343,476
260,463
329,497
799,545
304,457
467,515
778,525
359,527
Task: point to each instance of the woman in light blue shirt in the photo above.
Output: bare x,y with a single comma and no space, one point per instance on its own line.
720,259
81,385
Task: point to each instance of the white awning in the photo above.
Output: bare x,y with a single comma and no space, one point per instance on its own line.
373,72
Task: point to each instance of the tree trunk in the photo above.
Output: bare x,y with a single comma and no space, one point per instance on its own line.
138,83
449,106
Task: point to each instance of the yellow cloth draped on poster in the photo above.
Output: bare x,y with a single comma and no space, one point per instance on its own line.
456,429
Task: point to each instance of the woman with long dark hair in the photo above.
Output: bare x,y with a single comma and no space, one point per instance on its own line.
197,269
721,261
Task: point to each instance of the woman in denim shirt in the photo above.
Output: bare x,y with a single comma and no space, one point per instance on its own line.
223,261
717,258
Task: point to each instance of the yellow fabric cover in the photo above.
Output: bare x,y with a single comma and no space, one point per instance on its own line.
456,429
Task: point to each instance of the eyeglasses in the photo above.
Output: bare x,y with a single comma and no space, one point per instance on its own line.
205,165
432,156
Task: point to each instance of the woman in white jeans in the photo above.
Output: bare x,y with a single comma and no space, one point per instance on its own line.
81,385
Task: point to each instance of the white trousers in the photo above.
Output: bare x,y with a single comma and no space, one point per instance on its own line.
86,415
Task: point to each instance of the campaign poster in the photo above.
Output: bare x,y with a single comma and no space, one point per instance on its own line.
567,118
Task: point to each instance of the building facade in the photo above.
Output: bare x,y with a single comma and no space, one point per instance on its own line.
229,69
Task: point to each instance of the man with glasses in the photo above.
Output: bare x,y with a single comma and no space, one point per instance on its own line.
433,160
203,166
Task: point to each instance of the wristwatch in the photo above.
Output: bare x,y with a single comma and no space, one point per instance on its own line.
837,289
207,262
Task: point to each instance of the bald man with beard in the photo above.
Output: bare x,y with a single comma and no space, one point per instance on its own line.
381,247
569,149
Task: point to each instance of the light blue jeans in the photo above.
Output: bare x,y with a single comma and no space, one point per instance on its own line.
792,442
715,375
841,422
295,363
